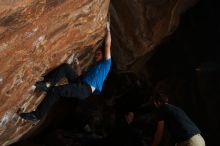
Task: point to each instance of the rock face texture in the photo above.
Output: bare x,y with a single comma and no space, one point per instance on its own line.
138,26
38,35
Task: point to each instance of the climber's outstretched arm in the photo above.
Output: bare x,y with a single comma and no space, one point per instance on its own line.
108,42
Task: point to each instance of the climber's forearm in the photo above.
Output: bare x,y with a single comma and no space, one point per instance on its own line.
108,42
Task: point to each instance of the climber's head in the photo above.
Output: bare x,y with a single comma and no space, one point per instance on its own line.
99,55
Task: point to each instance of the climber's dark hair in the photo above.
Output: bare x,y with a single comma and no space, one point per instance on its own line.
101,46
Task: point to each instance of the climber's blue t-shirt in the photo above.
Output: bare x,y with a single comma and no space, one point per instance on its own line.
97,74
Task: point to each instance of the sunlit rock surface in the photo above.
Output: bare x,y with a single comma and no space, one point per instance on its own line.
35,36
38,35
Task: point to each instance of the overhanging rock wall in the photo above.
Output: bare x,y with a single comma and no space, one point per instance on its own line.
35,36
38,35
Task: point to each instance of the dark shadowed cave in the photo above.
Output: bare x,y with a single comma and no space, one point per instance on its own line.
186,64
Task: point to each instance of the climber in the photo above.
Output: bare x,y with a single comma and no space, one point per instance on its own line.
79,87
181,127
